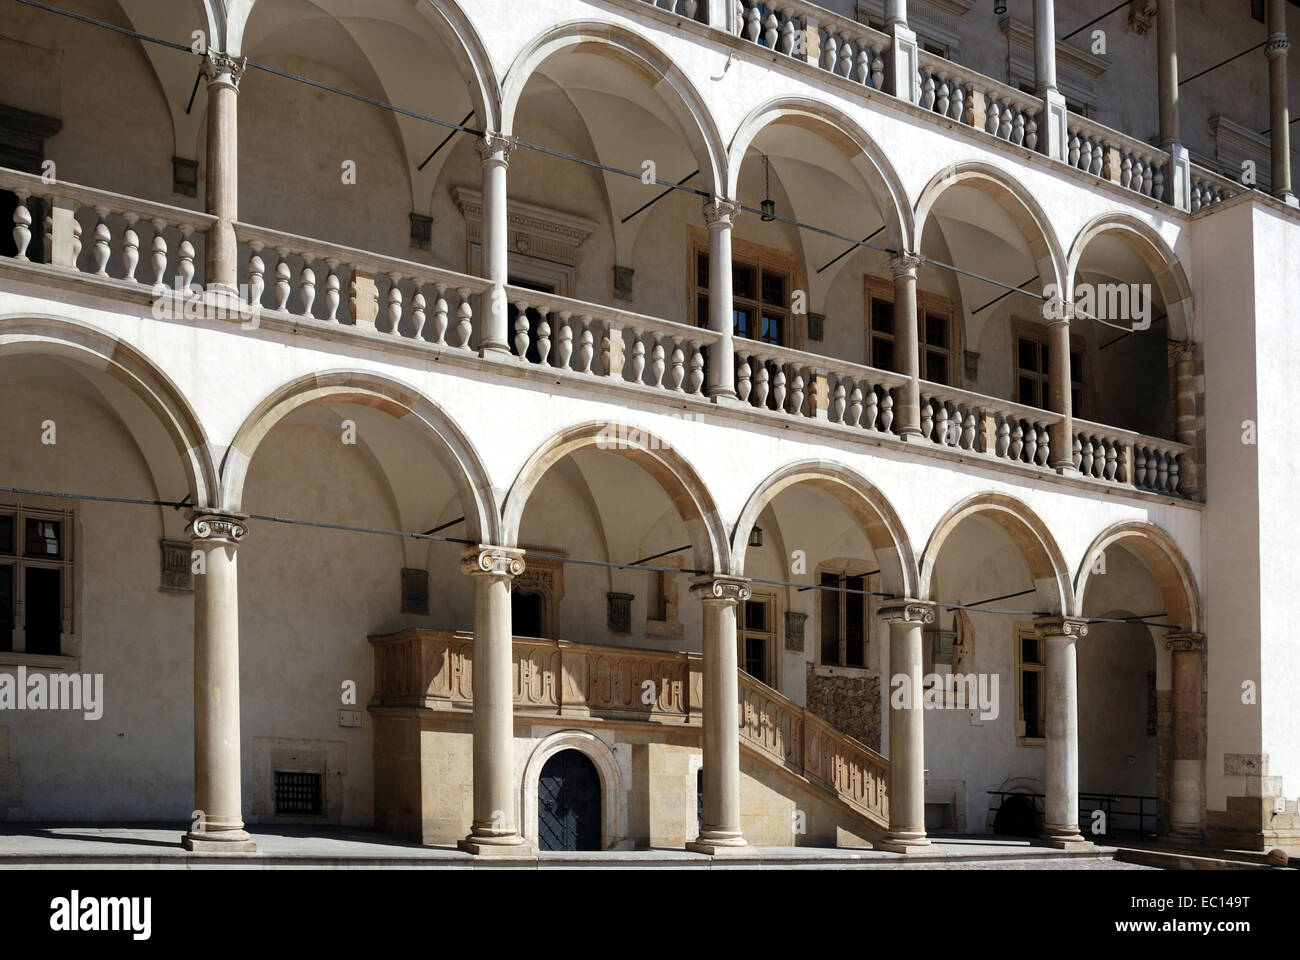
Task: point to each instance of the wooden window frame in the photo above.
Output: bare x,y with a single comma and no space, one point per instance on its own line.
66,565
761,258
771,637
1022,329
848,568
882,290
1023,630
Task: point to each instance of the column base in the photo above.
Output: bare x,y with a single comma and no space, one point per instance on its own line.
1186,837
904,842
1066,838
514,846
719,845
498,348
728,399
228,841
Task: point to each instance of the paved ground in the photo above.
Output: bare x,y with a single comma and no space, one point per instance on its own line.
30,846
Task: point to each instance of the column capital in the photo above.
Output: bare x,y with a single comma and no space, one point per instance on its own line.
1058,309
906,611
221,67
1185,642
720,213
484,561
218,528
713,587
1180,350
1277,46
1071,628
494,148
904,264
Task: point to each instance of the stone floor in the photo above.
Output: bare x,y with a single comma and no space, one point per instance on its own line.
28,846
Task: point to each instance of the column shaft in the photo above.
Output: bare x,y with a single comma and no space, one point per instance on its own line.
720,829
906,727
494,151
495,827
1045,45
895,13
907,348
1061,763
1167,70
1060,396
218,823
720,215
221,259
1187,810
1279,110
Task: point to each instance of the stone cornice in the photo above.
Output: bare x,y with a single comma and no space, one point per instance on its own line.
532,230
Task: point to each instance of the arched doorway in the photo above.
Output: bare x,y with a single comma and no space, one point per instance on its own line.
568,803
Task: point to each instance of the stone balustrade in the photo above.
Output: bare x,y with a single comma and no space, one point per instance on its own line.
697,10
1209,188
1120,159
806,32
341,285
978,101
1124,457
106,234
996,428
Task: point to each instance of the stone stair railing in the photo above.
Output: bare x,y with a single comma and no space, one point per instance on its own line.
108,235
433,669
1116,157
811,34
978,101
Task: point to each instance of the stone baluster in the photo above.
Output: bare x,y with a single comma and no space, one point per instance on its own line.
762,377
544,337
333,291
586,346
256,276
521,329
678,368
307,285
464,319
159,248
887,412
282,277
417,309
778,389
440,314
743,375
103,243
695,378
638,355
927,418
854,404
185,259
130,246
657,364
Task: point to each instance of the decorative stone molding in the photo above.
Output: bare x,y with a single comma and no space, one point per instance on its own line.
1185,642
492,561
176,570
729,589
221,67
613,766
1069,627
720,213
544,578
229,529
906,611
1234,144
531,230
794,627
904,264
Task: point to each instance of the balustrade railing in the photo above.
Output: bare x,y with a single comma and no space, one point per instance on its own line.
978,101
106,234
1113,156
1124,457
697,10
1208,188
817,36
996,428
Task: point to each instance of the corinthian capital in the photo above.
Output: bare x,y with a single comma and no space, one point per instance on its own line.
494,148
221,67
906,611
731,589
905,263
218,528
1072,628
720,213
483,560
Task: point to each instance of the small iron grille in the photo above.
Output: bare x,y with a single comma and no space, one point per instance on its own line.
297,793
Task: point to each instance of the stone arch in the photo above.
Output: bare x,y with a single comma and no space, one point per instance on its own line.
1163,263
1042,554
1168,566
859,496
613,805
688,106
688,493
885,186
54,336
1014,198
449,445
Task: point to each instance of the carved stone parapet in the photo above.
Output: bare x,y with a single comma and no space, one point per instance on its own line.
720,213
218,528
1072,628
1185,642
906,611
221,67
905,263
730,589
486,560
494,148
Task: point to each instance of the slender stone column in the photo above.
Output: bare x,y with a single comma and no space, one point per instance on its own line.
720,830
901,60
1187,811
217,824
221,260
1189,428
906,726
1167,71
1055,136
1061,807
720,215
494,150
495,830
1279,112
907,348
1060,397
